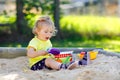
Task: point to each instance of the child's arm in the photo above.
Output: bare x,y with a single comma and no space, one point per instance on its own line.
32,53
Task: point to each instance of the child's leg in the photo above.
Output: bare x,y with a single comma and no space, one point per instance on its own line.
49,62
70,65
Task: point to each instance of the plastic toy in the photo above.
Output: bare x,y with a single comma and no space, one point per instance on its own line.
54,51
93,54
68,59
81,55
59,60
64,57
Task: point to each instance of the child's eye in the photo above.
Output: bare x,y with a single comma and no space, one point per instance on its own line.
46,31
51,32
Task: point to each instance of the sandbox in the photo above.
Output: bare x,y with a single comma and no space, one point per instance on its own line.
14,66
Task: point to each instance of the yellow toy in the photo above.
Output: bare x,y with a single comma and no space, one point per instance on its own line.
93,55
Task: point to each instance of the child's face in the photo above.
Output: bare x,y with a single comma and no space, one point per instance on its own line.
45,33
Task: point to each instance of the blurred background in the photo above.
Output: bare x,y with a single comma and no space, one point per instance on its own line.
80,23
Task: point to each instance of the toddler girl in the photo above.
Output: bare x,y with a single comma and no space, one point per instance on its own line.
39,57
37,50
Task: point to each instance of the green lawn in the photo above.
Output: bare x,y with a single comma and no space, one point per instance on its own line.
110,45
91,27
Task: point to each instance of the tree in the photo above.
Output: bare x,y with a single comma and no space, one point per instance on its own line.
20,21
57,17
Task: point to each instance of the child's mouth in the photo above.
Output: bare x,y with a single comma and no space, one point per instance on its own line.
47,38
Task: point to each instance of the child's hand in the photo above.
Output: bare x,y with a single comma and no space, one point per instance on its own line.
54,51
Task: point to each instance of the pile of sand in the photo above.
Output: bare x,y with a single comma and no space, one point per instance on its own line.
102,68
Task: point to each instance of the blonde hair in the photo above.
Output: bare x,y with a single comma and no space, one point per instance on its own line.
41,22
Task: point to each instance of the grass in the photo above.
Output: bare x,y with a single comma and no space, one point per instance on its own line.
109,45
91,26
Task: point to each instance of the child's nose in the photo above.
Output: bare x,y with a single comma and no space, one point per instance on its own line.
50,34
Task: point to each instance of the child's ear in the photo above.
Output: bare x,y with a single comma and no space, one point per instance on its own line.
36,31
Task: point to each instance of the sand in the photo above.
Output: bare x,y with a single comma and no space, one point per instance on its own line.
102,68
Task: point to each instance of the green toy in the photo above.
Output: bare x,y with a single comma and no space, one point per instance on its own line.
66,60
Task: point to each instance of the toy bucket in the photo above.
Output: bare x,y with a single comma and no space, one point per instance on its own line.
93,54
64,57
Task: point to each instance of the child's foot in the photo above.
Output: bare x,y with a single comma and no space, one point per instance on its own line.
70,65
85,60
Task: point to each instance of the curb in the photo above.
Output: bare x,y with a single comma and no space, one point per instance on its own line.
13,52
